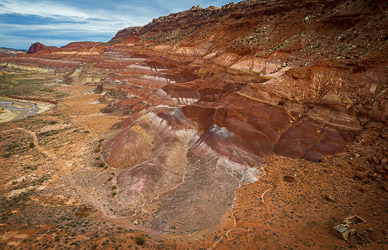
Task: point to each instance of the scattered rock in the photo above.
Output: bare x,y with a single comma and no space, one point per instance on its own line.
372,176
135,222
329,197
84,211
289,178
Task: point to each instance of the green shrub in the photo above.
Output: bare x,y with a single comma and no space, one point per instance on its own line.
140,240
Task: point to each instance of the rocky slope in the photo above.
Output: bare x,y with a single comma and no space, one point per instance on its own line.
288,82
207,96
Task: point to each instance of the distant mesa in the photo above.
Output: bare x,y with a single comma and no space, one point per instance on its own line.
74,46
39,47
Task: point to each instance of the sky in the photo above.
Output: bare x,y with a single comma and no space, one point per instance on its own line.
57,23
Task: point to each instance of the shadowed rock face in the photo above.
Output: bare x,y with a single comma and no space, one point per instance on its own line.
208,94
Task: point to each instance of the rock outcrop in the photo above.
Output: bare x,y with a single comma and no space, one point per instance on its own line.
39,47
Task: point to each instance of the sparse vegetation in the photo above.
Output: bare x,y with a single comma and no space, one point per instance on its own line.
13,146
98,149
140,240
17,83
49,133
99,146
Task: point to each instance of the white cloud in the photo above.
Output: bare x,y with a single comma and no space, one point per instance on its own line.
60,11
92,27
41,9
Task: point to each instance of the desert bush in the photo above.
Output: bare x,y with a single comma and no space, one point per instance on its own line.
140,240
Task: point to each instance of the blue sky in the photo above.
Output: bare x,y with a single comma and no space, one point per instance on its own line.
57,23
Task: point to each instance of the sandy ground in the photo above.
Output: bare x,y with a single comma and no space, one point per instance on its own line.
43,107
6,115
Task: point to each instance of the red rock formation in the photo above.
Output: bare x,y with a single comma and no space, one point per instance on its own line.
79,46
306,107
39,47
209,93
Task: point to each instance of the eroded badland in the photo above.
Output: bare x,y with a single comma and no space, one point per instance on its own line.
258,125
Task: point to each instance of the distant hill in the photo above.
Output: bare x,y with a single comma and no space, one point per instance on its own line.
39,47
11,52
